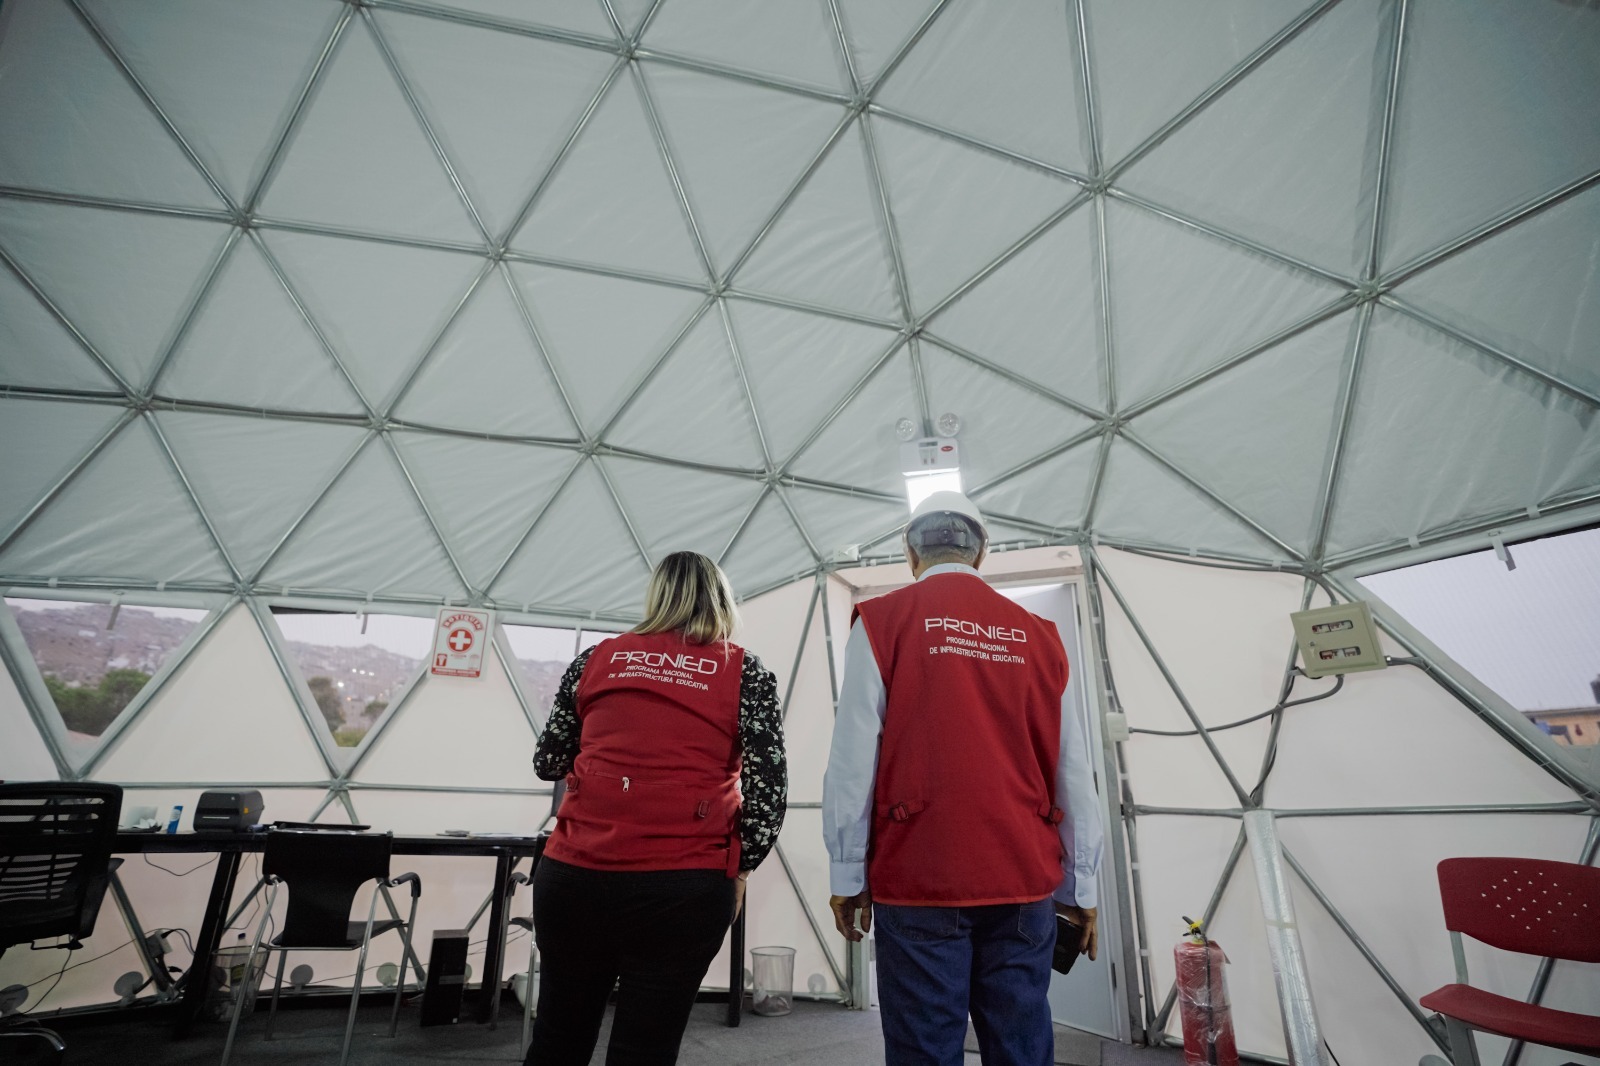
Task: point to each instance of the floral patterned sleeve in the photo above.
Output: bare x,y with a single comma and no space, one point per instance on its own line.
764,781
558,745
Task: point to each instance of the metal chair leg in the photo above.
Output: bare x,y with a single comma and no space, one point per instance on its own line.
277,986
405,957
361,966
1463,1052
527,993
255,946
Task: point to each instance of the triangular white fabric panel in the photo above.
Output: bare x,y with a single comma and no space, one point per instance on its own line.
249,345
226,715
956,208
62,434
1144,501
1179,859
1035,109
557,14
1306,188
837,521
1326,757
1164,771
795,41
610,201
602,333
878,29
1182,301
1259,434
35,348
1480,83
580,555
1055,492
379,305
786,391
231,122
1232,675
1196,45
860,447
1531,291
678,509
716,427
829,246
483,494
1480,438
769,550
1039,313
24,756
738,149
254,476
96,267
423,743
1002,423
360,159
367,535
122,150
486,375
125,516
539,91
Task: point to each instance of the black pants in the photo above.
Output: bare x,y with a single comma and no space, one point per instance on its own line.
655,931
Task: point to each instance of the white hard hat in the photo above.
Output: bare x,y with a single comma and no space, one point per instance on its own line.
947,502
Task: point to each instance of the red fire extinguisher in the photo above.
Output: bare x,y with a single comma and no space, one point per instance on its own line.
1203,1001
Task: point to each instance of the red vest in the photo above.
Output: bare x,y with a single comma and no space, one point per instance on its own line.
964,808
656,782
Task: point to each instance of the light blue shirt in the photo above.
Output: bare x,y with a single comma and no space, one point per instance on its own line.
853,769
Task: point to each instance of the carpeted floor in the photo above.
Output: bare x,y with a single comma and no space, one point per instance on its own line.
816,1034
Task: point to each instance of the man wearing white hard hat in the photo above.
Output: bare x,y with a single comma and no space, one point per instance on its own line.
959,804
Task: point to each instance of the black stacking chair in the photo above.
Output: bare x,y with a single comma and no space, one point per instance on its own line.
55,864
324,869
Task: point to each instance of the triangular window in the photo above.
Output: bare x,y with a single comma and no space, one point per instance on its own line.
540,656
95,658
1521,619
354,666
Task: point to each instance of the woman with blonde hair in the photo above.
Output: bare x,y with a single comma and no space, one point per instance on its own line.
670,739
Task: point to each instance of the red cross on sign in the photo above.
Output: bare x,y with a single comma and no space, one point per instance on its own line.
460,639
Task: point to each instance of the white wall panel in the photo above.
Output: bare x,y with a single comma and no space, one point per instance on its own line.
226,715
456,731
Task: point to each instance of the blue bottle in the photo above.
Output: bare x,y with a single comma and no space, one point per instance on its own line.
172,819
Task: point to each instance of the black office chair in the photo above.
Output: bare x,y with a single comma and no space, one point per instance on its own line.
323,870
55,864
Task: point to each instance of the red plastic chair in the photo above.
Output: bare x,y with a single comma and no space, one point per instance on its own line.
1532,906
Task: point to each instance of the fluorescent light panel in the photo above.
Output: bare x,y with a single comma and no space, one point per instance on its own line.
920,486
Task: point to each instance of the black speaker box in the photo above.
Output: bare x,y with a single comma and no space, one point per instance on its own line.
447,978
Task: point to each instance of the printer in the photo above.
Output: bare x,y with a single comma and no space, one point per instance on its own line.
228,810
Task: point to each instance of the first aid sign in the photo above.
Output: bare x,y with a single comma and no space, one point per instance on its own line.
460,641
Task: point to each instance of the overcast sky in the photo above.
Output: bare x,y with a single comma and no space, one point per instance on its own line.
1532,634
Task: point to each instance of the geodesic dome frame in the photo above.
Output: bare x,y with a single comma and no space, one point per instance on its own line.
472,303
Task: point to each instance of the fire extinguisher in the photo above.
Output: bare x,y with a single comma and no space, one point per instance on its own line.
1203,1001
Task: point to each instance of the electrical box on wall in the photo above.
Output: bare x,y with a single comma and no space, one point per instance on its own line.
1340,639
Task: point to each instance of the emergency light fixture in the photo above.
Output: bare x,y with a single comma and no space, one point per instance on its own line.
930,464
1340,639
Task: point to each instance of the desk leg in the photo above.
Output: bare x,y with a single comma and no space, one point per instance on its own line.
494,950
736,970
197,981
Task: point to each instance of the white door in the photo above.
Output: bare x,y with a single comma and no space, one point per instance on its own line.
1087,998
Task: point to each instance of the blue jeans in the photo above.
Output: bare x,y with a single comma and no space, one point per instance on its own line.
937,964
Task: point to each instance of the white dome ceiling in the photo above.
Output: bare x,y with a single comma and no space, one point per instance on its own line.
416,301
